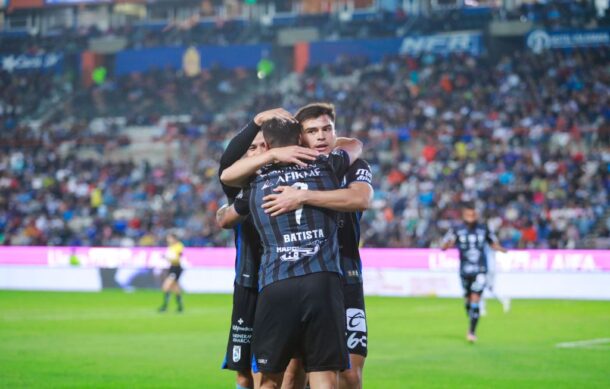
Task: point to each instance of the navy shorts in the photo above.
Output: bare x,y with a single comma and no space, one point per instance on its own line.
474,283
355,319
301,316
239,350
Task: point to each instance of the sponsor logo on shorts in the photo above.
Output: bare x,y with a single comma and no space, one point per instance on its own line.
261,361
236,353
356,320
354,341
241,334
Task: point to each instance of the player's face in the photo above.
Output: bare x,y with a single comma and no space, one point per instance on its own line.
170,240
319,134
469,216
258,145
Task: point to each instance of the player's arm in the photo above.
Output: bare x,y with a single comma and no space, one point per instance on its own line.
238,174
352,146
498,247
231,214
494,242
356,197
448,240
227,216
240,143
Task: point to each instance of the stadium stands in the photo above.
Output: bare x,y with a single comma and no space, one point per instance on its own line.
123,160
523,134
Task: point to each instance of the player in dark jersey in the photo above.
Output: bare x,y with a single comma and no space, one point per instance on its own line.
351,200
471,239
248,142
300,308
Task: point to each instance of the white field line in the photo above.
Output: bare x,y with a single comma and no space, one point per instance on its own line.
584,343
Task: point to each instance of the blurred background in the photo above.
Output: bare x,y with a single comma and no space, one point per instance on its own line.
113,114
113,117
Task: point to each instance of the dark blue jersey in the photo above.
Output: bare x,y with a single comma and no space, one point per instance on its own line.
349,226
248,253
247,242
470,242
303,241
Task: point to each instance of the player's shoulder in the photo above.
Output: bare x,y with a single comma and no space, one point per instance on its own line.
460,228
483,226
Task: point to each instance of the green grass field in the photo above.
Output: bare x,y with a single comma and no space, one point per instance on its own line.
118,340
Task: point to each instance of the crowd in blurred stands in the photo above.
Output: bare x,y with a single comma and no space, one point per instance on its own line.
526,136
383,22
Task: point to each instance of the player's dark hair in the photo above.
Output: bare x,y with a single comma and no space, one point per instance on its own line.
314,110
468,205
279,133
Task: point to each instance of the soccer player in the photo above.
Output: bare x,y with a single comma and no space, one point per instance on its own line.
248,142
300,306
170,284
491,282
471,239
317,120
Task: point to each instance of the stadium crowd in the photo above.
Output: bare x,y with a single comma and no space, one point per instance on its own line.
387,20
527,136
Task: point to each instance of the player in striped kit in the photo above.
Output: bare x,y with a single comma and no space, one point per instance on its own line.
300,309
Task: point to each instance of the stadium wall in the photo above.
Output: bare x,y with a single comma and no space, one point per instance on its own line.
561,274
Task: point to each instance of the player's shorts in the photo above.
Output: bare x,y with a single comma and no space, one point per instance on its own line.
301,316
175,272
355,317
239,350
473,283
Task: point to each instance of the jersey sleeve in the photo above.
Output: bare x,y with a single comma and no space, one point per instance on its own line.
360,171
242,203
449,237
235,150
490,236
339,162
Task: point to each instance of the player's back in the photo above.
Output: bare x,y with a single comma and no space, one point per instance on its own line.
303,241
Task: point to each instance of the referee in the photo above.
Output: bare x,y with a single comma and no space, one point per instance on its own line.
173,254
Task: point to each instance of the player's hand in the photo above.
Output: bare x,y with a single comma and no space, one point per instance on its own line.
285,199
293,154
276,113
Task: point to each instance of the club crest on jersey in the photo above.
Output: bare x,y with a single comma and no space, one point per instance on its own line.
266,185
236,353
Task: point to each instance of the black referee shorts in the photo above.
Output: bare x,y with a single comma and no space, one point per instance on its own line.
355,318
239,350
301,316
175,272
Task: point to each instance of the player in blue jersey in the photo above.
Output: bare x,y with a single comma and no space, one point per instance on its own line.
300,309
351,200
471,239
249,142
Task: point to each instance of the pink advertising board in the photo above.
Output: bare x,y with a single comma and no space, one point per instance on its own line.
407,259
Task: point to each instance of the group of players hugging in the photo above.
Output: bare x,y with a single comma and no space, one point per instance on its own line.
296,193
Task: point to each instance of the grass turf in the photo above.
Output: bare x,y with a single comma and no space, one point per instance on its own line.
118,340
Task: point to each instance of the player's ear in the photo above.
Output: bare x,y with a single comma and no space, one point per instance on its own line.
301,139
